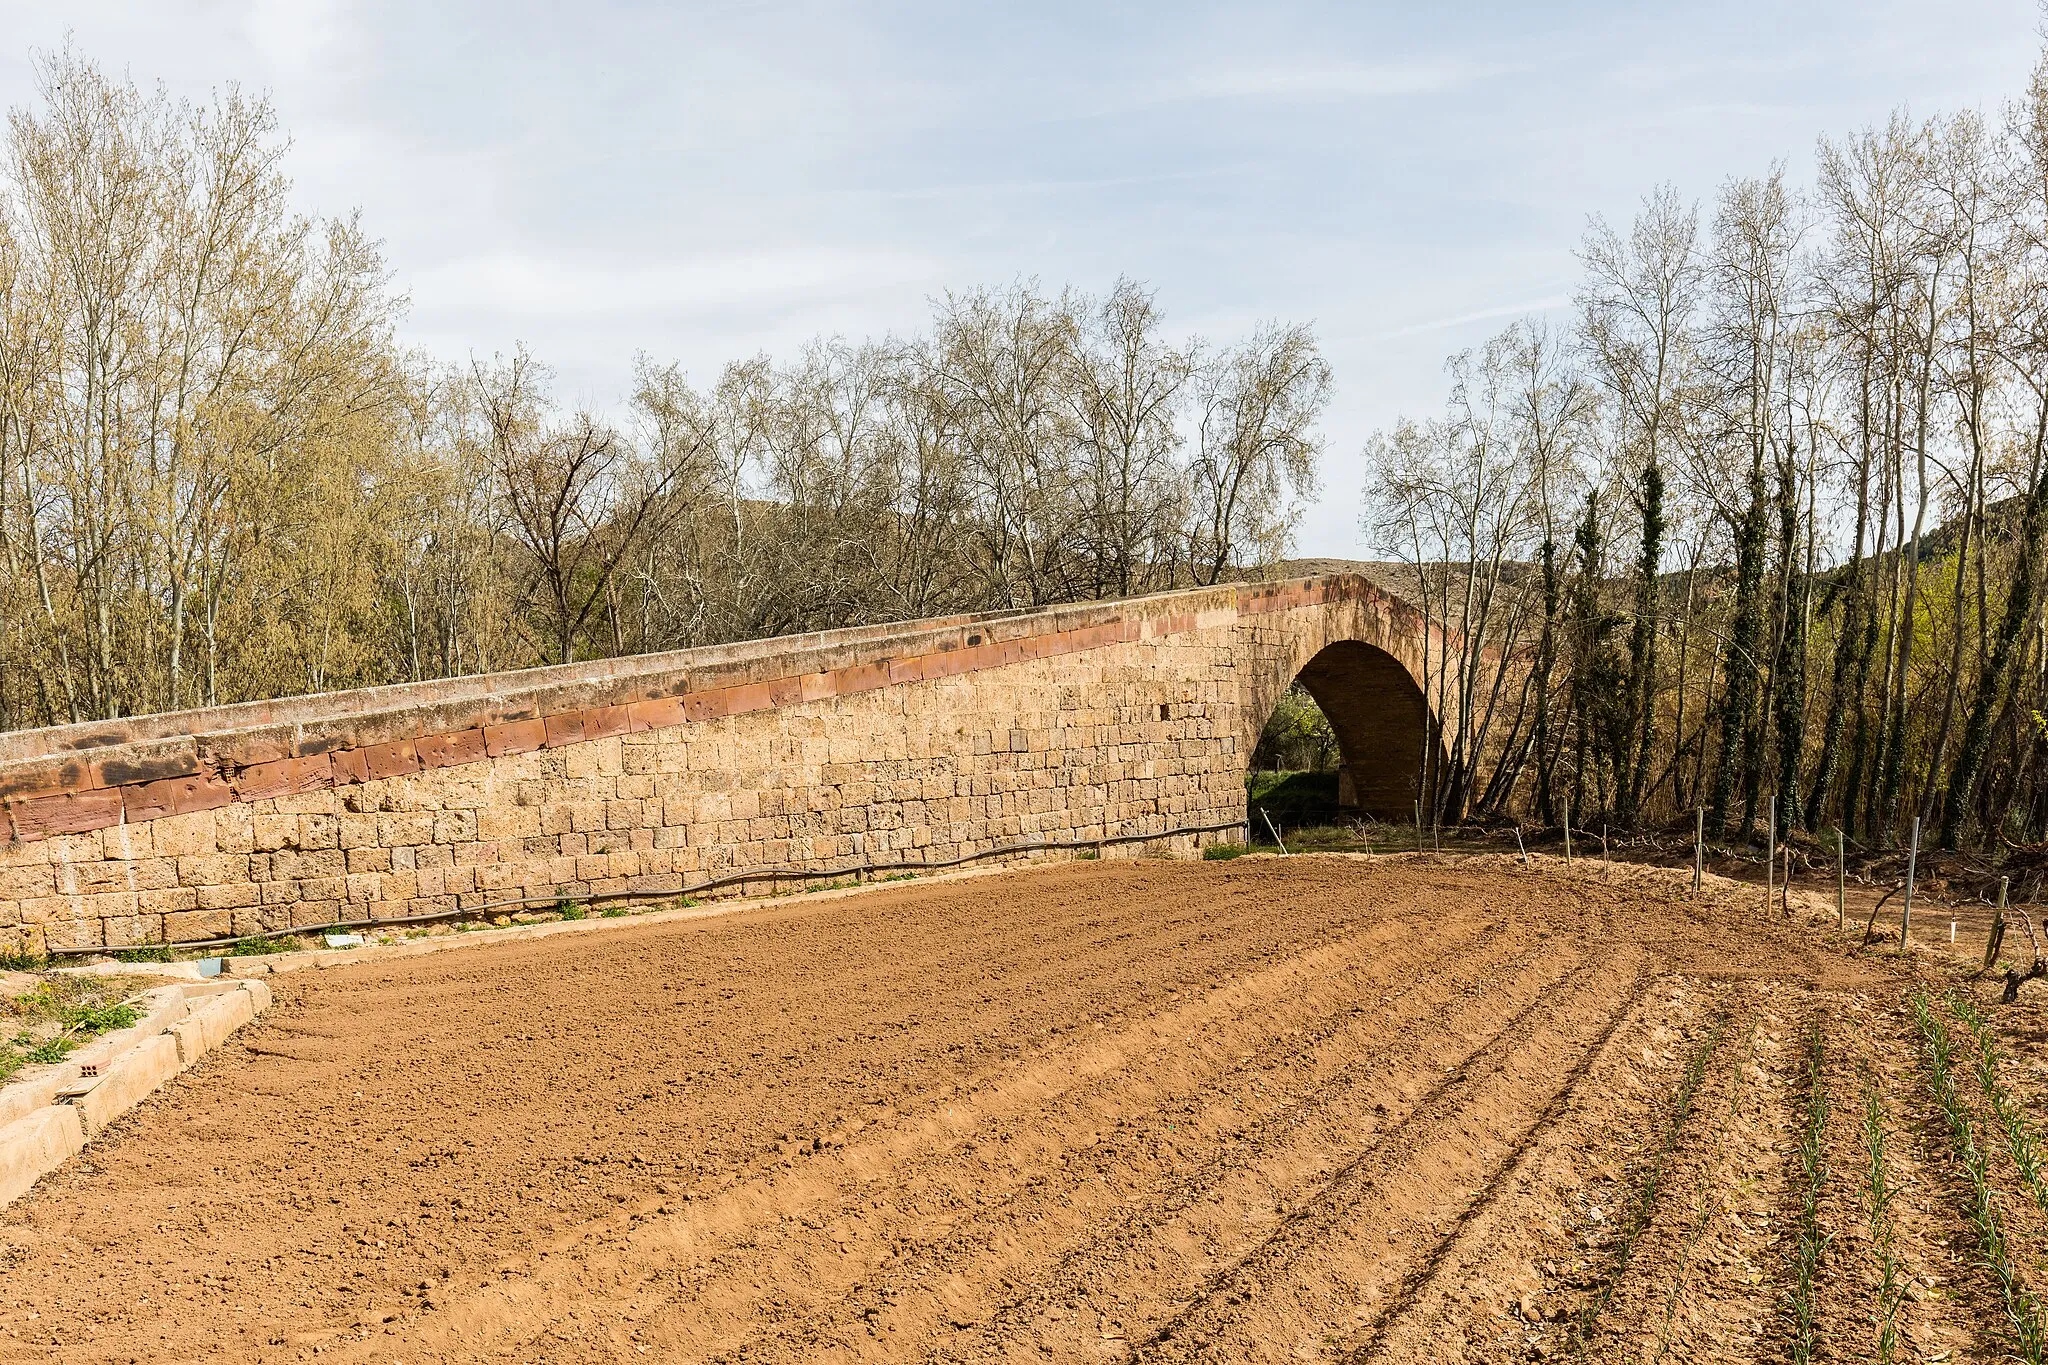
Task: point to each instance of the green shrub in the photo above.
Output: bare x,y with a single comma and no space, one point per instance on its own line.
90,1019
1217,853
261,944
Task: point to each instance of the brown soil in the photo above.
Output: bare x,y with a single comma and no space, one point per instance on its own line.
1312,1108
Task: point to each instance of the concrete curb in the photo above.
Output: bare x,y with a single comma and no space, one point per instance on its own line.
50,1117
237,969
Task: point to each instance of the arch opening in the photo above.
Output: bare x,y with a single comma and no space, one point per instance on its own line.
1383,727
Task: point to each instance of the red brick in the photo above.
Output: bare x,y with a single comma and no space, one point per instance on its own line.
750,697
656,713
69,813
396,759
285,777
348,766
709,704
175,796
602,722
566,728
515,737
862,677
817,686
906,670
785,692
446,751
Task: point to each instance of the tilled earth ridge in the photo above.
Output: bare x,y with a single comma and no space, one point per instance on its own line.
1325,1108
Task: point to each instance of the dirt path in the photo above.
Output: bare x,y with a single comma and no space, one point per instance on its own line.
1313,1108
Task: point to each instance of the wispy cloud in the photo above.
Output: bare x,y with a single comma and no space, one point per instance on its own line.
1509,310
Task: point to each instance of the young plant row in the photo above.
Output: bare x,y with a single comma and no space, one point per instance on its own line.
2022,1309
1708,1202
1813,1170
1645,1202
1879,1191
2021,1142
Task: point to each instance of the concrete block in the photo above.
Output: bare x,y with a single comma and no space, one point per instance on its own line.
132,1076
210,1023
32,1147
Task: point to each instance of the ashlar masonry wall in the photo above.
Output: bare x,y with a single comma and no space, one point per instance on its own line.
911,743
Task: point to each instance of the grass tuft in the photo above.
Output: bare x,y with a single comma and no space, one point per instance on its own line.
1221,853
57,1017
261,944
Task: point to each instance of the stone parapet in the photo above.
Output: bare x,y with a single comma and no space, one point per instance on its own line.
939,737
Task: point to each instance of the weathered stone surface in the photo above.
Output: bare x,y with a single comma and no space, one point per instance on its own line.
132,1076
913,743
33,1146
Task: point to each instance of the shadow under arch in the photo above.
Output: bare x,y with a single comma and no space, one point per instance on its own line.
1383,725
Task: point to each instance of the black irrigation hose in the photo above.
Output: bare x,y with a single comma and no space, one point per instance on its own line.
765,874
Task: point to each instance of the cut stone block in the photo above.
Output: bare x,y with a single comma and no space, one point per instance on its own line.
32,1147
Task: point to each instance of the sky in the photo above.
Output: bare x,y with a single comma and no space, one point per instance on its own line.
703,182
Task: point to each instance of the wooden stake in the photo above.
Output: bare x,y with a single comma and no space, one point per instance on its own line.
1567,833
1418,827
1771,856
1996,938
1842,889
1785,896
1912,870
1699,847
1521,847
1603,842
1267,817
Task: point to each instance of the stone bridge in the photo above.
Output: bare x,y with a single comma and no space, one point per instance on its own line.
1129,723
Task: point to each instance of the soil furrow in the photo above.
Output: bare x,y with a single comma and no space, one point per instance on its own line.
886,1281
1538,1246
1330,1257
1277,1108
612,1262
1127,1276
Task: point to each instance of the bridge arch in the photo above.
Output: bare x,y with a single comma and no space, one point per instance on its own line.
920,744
1383,726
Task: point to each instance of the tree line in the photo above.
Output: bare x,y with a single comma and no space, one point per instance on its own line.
1759,531
222,476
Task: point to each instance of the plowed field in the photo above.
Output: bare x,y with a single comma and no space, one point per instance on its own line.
1317,1108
